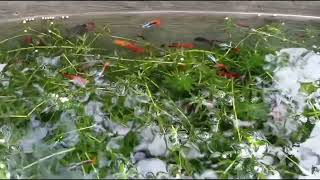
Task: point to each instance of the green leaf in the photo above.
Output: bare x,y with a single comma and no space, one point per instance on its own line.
128,143
252,112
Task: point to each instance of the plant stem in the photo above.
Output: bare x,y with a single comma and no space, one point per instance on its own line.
48,157
235,112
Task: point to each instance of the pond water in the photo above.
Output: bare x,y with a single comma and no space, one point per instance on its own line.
187,95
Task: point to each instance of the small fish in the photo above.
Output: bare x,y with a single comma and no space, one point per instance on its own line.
76,79
83,28
152,23
229,75
236,50
104,68
221,66
128,45
28,40
242,24
181,45
90,26
205,40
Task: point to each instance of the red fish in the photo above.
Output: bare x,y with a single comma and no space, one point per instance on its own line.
181,45
236,50
90,26
152,23
28,40
223,71
229,75
129,45
221,66
76,79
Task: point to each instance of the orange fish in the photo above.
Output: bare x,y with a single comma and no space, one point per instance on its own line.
104,68
152,23
129,45
181,45
76,79
223,71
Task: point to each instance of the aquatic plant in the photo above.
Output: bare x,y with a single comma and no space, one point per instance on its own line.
71,109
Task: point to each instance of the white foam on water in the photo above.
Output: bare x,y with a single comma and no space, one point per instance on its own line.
293,67
191,151
207,174
300,66
152,165
153,141
2,66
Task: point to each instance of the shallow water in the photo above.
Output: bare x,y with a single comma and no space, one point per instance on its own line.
141,142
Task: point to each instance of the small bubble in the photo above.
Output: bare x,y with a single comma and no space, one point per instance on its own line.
221,94
51,22
183,137
229,101
172,139
25,31
312,120
253,30
226,18
204,136
24,21
255,99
